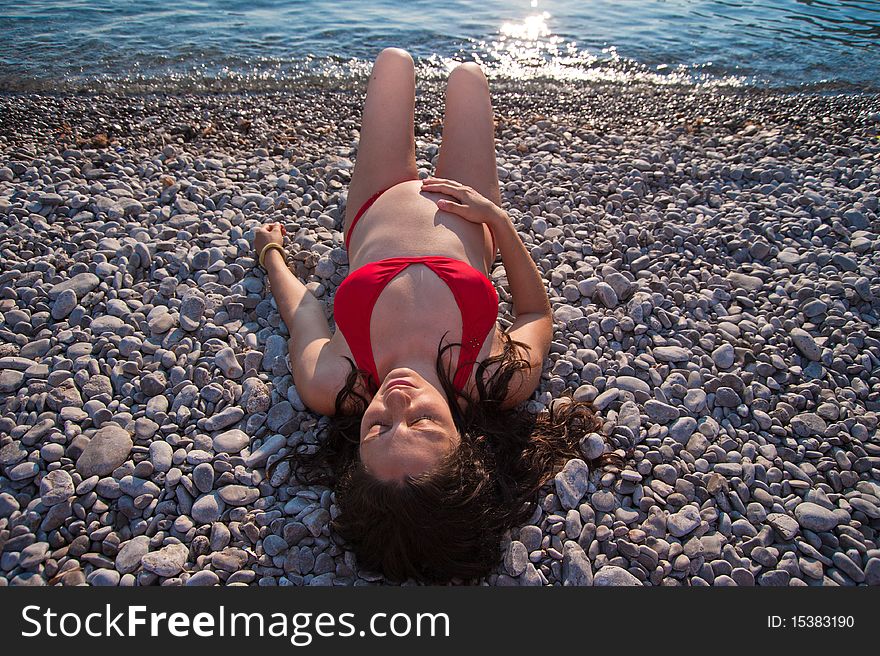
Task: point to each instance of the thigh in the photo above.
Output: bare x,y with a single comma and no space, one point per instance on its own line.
467,150
386,148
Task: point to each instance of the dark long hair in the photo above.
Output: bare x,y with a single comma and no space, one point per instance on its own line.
448,522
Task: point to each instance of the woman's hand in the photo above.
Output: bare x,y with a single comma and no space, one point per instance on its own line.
469,204
271,232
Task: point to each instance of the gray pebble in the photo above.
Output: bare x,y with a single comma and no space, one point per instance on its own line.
167,561
814,517
572,482
107,449
611,575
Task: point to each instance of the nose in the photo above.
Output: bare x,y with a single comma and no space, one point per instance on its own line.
398,398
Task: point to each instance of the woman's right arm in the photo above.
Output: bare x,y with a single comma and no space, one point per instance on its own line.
317,371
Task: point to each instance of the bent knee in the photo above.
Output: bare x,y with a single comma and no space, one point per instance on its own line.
468,70
396,54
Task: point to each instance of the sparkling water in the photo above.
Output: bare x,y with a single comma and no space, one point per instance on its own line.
811,45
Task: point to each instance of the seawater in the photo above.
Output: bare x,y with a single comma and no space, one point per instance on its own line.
795,45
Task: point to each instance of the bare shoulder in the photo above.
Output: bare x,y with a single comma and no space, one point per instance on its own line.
526,367
321,373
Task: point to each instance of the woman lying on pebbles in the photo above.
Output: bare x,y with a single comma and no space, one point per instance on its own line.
431,453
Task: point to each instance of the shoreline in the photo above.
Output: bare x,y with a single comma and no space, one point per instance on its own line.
713,260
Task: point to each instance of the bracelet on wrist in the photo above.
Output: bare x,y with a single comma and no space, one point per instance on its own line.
270,246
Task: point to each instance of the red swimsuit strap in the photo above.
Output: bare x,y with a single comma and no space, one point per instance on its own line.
360,212
474,294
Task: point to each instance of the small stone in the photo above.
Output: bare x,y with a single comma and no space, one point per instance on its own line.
808,424
632,384
629,416
814,517
744,281
226,361
8,504
10,381
684,521
203,477
273,545
276,347
576,567
806,344
279,415
145,428
230,559
227,417
103,577
55,487
605,399
135,486
238,495
106,324
682,429
168,561
814,308
23,471
606,295
270,447
81,284
516,558
726,397
662,413
192,307
572,483
724,356
611,575
846,565
592,446
161,323
316,520
161,455
128,559
64,395
107,449
98,386
32,555
255,396
231,441
671,354
64,304
695,400
154,383
207,508
12,453
603,500
203,578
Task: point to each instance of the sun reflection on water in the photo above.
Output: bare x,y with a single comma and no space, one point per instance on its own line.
528,48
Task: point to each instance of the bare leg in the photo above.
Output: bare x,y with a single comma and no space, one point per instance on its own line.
386,149
467,152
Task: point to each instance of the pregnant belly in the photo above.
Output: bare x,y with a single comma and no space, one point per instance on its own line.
406,222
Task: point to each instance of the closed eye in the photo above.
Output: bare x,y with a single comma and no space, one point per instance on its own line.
422,418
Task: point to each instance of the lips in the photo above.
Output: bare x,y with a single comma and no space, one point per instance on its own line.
398,382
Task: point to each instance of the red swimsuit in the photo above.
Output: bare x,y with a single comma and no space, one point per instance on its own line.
356,296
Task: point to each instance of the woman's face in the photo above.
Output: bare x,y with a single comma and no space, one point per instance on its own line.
407,428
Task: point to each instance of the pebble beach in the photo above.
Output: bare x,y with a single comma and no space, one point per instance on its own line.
712,260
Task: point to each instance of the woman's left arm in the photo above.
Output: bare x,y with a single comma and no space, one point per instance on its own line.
533,319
